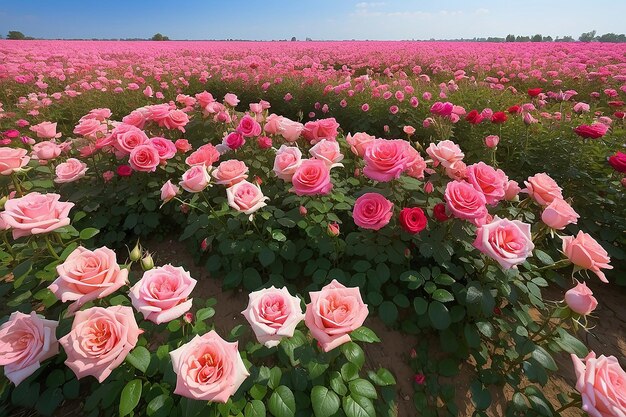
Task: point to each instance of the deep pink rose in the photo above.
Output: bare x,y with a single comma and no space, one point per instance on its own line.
584,252
144,158
593,131
601,381
162,294
464,201
312,177
489,181
372,211
273,314
26,340
234,140
100,340
506,241
321,129
249,127
208,368
333,313
386,160
36,213
70,171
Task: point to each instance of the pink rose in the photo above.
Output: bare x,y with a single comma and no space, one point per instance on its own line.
182,145
580,299
372,211
47,150
129,140
46,130
287,160
489,181
90,128
87,275
386,160
559,214
264,142
290,130
321,129
168,191
312,177
492,141
176,119
70,171
234,140
26,340
415,164
601,383
593,131
511,190
273,314
165,148
230,172
327,151
195,179
333,313
161,294
249,127
464,201
246,197
12,159
409,130
359,142
231,99
36,213
137,118
506,241
542,189
442,109
144,158
445,152
584,252
273,124
208,368
100,340
204,155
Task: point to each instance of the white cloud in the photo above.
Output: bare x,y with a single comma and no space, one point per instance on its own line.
368,5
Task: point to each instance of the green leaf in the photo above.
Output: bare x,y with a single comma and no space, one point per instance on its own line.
131,394
381,377
139,358
349,371
544,358
571,344
160,406
439,315
324,401
388,312
363,387
353,353
420,305
543,257
266,256
282,403
88,233
205,313
255,408
364,334
481,397
442,295
251,279
49,400
358,406
279,236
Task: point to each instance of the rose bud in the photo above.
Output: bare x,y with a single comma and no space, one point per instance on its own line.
135,254
333,229
147,263
188,318
303,211
580,299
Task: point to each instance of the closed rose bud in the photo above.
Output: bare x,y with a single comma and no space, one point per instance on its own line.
580,299
333,229
188,318
428,187
184,208
413,354
357,172
135,254
204,245
419,379
492,141
147,263
303,211
497,311
258,180
407,253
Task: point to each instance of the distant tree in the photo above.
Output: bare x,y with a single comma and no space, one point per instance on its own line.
536,38
293,39
159,37
547,39
510,38
612,37
522,39
15,35
587,36
565,39
309,39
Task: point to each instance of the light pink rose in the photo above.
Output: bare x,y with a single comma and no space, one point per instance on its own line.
372,211
12,159
273,124
168,191
144,158
230,172
321,129
137,118
489,181
249,127
290,130
208,368
165,147
580,299
512,190
327,151
70,171
584,252
204,155
246,197
26,340
542,189
46,130
359,142
129,140
195,179
333,313
464,201
273,314
36,213
445,152
506,241
161,294
492,141
415,165
90,128
231,99
47,150
601,382
176,119
100,340
288,159
87,275
386,160
559,214
312,177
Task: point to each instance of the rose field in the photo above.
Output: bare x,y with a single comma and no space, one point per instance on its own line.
286,229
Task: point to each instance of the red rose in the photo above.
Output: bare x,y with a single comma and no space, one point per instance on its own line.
534,92
474,117
618,162
413,220
514,109
124,171
616,103
439,212
593,131
499,117
619,114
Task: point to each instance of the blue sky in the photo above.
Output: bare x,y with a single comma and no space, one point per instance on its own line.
318,19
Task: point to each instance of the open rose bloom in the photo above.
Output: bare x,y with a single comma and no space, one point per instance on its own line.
35,213
208,368
601,382
506,241
273,314
333,313
26,340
